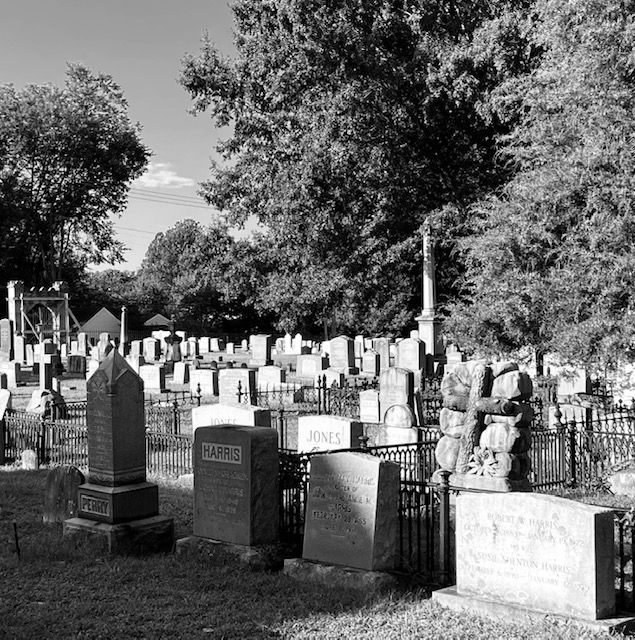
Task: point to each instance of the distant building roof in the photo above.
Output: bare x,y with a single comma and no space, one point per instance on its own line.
103,321
157,320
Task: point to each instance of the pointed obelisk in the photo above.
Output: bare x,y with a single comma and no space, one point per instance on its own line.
429,323
117,502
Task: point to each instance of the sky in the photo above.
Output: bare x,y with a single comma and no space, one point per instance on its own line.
139,43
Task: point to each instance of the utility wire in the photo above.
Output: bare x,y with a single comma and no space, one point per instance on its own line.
166,196
173,203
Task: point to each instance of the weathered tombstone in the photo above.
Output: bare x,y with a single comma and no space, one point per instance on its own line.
370,363
76,364
532,552
236,484
151,349
211,415
411,354
621,483
181,374
382,347
19,348
396,386
261,350
12,371
230,349
204,379
400,426
83,344
193,347
117,502
29,460
342,355
204,345
308,365
271,377
325,433
216,344
6,340
135,361
61,494
153,376
352,511
232,382
288,343
369,406
415,334
296,344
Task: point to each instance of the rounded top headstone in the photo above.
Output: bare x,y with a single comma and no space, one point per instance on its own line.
400,415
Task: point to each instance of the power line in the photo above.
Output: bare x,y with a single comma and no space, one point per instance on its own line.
168,196
173,203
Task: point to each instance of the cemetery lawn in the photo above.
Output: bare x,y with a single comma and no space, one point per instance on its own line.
63,589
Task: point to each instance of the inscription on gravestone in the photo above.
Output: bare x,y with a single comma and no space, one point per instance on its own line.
236,484
351,515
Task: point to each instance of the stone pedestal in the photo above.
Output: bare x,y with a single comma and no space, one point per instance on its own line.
117,503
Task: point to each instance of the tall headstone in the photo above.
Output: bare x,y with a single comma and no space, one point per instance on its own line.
117,502
382,347
6,340
352,511
204,345
151,349
261,350
83,344
61,493
411,354
236,385
205,380
236,484
308,365
370,363
542,553
49,363
396,386
342,355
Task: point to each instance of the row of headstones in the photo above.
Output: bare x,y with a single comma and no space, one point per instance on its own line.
562,551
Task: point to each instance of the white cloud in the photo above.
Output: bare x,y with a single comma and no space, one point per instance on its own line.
161,174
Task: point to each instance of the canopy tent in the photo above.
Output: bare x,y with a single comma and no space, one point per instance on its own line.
102,322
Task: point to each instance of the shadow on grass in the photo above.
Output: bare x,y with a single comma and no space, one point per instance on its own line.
68,587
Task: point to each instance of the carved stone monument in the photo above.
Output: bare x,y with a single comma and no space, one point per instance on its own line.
117,502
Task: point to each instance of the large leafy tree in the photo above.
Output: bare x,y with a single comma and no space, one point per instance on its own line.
351,122
552,261
67,157
201,276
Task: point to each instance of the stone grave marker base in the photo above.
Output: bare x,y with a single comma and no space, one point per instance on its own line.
115,505
450,599
335,575
267,557
138,537
487,483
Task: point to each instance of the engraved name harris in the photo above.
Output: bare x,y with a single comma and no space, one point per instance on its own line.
214,452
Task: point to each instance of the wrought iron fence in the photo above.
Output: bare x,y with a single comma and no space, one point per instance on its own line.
168,453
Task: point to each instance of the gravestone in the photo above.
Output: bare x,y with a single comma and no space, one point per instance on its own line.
329,378
216,344
135,361
211,415
204,345
136,348
261,350
6,340
369,406
12,371
271,377
181,374
229,381
540,553
370,363
396,386
342,355
153,376
77,364
399,426
29,460
382,347
193,347
61,493
83,344
5,403
352,511
206,380
19,348
411,354
296,344
230,349
325,432
236,484
49,364
308,365
151,349
117,502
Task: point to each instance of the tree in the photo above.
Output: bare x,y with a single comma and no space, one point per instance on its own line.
551,264
351,123
201,275
67,157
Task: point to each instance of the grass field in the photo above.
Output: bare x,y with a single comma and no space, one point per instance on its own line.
59,590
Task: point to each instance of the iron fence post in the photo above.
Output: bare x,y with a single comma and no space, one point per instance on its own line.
175,414
3,440
281,429
240,393
198,393
573,466
444,526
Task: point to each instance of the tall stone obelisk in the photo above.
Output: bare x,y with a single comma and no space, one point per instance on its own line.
429,323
